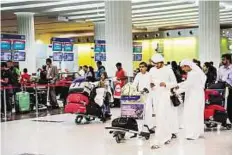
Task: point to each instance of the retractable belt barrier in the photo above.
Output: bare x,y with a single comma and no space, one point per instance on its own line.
35,86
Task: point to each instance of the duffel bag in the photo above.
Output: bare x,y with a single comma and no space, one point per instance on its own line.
126,123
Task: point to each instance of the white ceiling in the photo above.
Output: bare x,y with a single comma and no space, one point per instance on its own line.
145,13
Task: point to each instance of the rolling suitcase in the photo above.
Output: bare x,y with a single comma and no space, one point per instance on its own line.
22,102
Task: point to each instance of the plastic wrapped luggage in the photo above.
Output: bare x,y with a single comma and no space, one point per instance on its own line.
22,102
80,87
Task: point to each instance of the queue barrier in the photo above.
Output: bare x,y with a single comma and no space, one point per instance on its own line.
36,87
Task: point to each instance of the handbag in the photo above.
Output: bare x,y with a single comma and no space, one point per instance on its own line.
175,99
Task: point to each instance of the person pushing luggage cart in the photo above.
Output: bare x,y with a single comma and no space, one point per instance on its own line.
142,81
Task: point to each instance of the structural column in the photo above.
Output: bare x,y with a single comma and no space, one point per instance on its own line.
209,32
99,31
118,35
25,22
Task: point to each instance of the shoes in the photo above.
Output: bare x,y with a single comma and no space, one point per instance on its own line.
108,115
55,107
174,136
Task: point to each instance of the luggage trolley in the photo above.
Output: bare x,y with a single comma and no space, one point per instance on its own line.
132,108
41,96
215,109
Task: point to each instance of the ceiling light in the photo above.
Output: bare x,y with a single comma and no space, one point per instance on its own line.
191,32
191,6
179,33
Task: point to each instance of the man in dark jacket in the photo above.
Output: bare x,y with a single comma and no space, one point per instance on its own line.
100,70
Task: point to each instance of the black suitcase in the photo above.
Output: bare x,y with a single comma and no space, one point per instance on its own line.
126,123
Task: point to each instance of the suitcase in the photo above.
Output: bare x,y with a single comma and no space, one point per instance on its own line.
77,98
209,92
75,108
22,102
126,123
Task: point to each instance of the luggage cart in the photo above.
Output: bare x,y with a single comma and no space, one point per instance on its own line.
215,108
131,108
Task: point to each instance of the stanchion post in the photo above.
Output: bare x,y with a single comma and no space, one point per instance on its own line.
37,112
5,108
48,93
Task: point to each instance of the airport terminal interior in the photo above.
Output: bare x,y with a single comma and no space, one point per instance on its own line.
116,77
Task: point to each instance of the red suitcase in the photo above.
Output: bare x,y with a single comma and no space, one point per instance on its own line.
77,98
75,108
210,110
209,92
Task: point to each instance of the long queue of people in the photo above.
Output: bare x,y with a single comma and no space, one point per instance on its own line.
186,78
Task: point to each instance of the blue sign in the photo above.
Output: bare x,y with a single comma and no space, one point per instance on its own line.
18,45
5,56
57,46
68,56
19,56
100,56
12,36
68,47
5,44
57,56
100,46
62,40
137,47
137,57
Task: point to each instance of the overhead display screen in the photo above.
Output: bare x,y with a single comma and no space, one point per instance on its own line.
68,47
19,56
68,56
5,56
5,44
57,46
57,56
18,45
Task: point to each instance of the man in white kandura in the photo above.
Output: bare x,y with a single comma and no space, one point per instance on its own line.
166,120
194,100
141,81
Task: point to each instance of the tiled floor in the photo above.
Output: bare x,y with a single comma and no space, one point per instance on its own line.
59,135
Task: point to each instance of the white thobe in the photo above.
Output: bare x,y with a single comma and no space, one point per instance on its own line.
193,104
166,115
142,81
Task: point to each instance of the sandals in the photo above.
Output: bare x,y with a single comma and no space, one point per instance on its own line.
155,147
174,136
167,142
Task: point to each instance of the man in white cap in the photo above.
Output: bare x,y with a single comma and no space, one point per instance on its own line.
166,120
194,102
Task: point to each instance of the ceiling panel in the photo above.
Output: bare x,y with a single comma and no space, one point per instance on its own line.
145,13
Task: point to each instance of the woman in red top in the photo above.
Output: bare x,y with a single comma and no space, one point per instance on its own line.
25,77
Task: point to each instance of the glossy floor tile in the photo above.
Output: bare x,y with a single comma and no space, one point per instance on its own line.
59,135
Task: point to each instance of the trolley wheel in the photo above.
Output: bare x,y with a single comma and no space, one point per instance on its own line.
228,126
147,137
118,138
103,119
88,118
211,125
78,119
